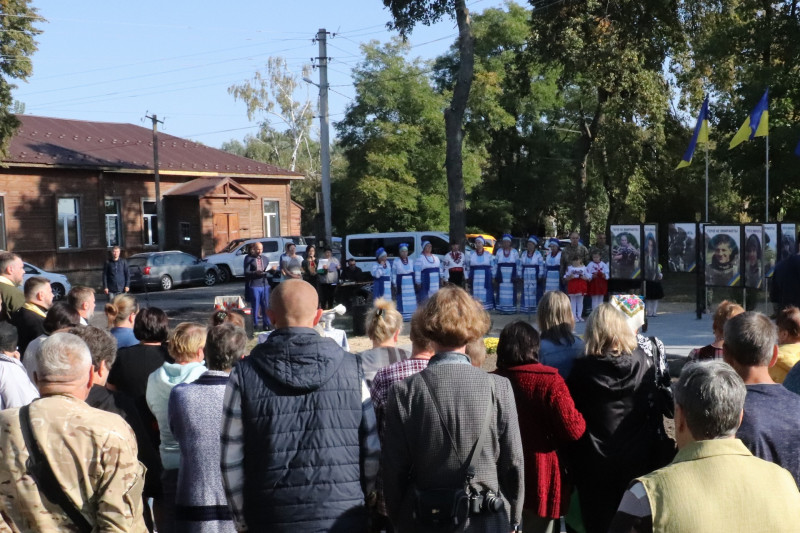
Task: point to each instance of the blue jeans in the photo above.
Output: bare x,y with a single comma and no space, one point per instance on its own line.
259,301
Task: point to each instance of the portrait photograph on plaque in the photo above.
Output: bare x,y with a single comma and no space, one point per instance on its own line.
681,247
754,257
770,249
625,252
723,256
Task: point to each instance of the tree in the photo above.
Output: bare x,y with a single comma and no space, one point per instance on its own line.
17,44
284,137
392,139
611,56
406,14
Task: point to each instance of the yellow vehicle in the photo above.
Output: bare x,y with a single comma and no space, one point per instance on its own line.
488,244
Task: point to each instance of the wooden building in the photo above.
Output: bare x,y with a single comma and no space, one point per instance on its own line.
70,190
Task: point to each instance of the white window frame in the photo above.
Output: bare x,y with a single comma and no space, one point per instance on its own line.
62,223
149,233
117,221
276,214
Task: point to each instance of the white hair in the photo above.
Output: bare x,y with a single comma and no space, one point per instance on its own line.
62,355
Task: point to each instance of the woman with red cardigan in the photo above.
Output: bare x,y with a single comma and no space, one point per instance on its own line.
548,421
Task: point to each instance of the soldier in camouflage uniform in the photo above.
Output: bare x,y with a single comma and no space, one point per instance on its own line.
574,250
602,248
92,452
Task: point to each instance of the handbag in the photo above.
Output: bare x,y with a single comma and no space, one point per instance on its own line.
42,473
449,507
664,449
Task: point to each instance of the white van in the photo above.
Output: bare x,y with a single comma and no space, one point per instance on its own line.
362,246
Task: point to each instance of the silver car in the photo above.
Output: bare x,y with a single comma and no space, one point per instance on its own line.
164,270
58,282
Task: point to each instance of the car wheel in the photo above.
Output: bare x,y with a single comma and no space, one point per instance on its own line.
224,274
210,278
58,291
166,283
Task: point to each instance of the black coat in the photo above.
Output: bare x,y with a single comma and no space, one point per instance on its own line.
785,288
116,276
615,396
29,326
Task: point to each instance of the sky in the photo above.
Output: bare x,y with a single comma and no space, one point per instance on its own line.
118,61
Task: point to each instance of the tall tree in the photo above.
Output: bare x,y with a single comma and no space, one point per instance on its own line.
612,55
17,45
392,139
406,14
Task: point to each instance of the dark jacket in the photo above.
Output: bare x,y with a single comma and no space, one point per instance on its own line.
416,445
253,277
785,290
29,326
614,394
116,276
311,444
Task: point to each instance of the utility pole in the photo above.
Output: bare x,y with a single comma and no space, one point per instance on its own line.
159,203
324,141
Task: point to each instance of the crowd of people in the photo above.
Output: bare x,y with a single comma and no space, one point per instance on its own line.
142,427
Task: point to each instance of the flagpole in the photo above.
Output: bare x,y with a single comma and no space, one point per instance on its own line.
706,182
766,220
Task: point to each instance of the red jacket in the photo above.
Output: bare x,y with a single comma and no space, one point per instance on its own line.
547,421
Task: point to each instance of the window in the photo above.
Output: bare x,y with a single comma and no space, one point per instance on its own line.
2,224
439,245
272,218
150,223
367,247
270,246
113,224
186,232
68,232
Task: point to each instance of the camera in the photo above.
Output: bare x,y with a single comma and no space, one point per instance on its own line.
485,501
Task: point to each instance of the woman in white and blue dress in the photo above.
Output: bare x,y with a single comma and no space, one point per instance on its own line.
506,273
532,266
403,283
553,266
382,276
427,273
481,271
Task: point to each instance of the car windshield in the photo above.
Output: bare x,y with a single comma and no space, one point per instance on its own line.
231,246
137,261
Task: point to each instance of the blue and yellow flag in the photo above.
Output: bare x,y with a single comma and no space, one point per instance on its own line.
700,135
797,150
756,125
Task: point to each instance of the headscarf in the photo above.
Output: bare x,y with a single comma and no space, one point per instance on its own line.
553,241
480,240
534,240
403,246
632,306
507,237
380,253
426,243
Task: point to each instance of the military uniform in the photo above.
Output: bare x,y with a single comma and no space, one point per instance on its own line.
93,456
569,253
12,297
604,251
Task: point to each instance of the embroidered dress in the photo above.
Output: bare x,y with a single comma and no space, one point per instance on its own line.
506,275
382,286
481,268
426,274
576,280
403,281
599,273
453,268
553,266
532,270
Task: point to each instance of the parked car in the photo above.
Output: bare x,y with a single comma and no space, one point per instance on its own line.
164,270
58,282
230,260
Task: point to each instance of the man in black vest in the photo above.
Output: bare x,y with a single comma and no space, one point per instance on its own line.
116,276
300,448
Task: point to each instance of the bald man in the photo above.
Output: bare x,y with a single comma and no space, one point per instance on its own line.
299,427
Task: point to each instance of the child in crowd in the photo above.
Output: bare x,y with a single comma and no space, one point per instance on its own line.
597,271
725,311
577,286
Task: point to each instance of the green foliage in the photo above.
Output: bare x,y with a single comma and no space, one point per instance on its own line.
18,19
393,140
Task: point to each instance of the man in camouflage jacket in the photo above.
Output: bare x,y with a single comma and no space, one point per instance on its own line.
92,452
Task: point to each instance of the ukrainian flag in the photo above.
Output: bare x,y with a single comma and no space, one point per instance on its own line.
700,135
756,125
797,150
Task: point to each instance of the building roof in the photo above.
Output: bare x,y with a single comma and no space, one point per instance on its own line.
56,142
208,187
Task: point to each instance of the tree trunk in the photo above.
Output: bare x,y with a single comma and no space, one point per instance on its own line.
453,123
583,147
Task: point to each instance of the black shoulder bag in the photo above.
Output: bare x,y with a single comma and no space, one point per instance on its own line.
42,473
664,446
450,507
